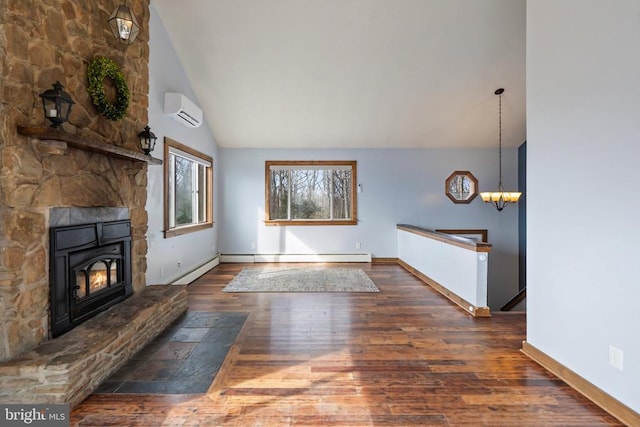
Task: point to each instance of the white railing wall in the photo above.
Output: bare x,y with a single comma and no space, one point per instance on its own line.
456,266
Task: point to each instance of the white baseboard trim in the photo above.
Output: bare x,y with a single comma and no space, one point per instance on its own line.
196,272
231,258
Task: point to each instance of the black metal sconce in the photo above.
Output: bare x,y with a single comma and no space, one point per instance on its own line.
57,105
147,140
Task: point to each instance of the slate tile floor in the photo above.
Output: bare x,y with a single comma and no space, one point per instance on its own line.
184,359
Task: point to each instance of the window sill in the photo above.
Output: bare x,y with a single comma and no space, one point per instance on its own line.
186,229
268,222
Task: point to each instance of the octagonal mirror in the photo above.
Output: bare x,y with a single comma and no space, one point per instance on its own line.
461,187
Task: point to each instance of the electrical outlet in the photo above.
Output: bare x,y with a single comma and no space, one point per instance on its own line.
179,265
162,271
358,245
253,245
616,358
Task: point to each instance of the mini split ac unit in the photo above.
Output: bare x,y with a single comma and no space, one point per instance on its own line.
182,110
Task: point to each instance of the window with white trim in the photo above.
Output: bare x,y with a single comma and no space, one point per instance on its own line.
310,193
188,189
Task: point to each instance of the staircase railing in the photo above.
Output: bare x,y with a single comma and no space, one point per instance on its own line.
522,294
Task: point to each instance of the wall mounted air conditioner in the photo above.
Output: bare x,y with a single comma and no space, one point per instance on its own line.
182,110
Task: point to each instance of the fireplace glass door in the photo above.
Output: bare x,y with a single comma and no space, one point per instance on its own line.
96,277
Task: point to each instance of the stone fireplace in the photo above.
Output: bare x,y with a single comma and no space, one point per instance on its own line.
43,41
58,182
89,180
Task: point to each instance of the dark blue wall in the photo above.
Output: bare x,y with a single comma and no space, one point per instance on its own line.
522,216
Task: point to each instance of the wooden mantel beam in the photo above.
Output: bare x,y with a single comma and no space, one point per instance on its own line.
86,143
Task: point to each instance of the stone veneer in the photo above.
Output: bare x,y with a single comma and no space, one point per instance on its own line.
42,41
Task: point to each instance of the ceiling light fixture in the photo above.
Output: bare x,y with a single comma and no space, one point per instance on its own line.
123,25
500,198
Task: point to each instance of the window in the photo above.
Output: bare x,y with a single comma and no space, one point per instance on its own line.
310,193
188,189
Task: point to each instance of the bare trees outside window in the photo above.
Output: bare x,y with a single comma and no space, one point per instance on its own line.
188,189
310,192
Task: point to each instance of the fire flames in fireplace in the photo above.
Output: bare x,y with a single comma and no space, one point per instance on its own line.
98,279
99,276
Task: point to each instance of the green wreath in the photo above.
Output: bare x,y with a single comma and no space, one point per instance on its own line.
100,68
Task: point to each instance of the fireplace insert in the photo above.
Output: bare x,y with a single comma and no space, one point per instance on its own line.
90,270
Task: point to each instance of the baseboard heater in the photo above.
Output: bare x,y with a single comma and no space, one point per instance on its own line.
256,258
196,272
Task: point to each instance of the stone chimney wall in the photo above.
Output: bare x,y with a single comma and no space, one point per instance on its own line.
42,41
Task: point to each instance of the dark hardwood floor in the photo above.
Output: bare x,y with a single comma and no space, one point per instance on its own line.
404,356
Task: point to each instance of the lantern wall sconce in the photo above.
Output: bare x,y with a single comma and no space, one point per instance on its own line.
123,24
57,105
147,140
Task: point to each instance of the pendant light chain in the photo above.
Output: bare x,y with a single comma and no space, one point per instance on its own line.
500,187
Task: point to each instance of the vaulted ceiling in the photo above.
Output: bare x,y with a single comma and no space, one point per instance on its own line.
353,73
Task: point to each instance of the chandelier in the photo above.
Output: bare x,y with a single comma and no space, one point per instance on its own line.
500,198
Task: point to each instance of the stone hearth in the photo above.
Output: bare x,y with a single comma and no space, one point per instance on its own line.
68,368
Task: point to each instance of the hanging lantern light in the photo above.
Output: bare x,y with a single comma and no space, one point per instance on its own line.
124,25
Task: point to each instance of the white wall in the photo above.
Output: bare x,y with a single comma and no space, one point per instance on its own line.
191,250
398,186
583,121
